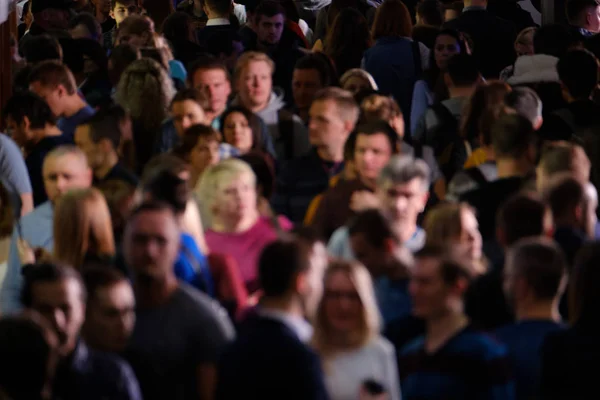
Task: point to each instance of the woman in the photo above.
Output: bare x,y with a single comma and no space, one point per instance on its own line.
432,88
227,192
242,129
347,335
357,80
82,228
456,224
523,47
199,148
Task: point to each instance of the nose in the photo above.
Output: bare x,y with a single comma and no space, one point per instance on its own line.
401,203
186,123
61,184
255,82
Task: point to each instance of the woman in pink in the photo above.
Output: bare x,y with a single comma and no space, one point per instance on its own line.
227,193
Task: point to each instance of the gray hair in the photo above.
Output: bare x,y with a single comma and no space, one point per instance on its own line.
402,169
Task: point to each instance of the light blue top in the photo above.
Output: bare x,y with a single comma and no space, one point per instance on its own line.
177,70
36,230
422,98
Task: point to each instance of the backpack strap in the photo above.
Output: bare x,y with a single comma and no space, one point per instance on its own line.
285,125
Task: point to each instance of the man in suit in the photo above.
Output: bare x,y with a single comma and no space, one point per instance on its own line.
270,359
493,38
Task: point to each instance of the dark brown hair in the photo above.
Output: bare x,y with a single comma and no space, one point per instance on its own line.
392,19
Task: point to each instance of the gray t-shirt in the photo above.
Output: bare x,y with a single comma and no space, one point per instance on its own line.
170,342
13,172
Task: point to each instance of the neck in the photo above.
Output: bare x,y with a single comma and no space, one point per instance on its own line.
286,304
154,292
370,183
508,168
405,230
237,225
258,108
443,327
540,310
330,154
46,131
460,91
111,160
73,105
213,16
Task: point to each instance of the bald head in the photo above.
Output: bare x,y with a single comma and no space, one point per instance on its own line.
65,168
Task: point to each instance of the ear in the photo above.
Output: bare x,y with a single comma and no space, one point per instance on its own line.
301,283
111,14
460,287
348,127
26,123
538,123
424,200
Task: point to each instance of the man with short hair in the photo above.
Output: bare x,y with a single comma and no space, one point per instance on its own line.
270,358
219,13
535,279
65,168
584,16
58,293
85,26
559,158
333,116
311,74
212,77
54,83
119,11
452,357
179,332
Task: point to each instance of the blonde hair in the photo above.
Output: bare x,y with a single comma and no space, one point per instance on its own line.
323,341
247,58
358,73
82,224
444,222
377,106
216,177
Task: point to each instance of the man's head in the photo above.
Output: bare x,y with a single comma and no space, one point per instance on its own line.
578,73
217,8
584,14
526,103
376,142
311,74
403,189
38,48
26,112
54,83
513,138
151,242
121,9
333,115
85,26
430,12
211,76
521,216
110,315
164,184
270,22
65,168
462,72
99,138
254,79
438,283
200,147
187,109
534,273
56,292
561,157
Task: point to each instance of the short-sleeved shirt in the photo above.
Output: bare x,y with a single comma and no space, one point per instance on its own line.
13,172
169,343
119,173
68,124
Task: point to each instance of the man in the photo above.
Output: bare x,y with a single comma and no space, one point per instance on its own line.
560,158
65,168
212,77
110,311
451,357
584,16
57,293
218,12
270,359
51,15
311,74
333,116
492,37
14,176
99,138
253,78
119,11
179,361
535,278
54,83
85,26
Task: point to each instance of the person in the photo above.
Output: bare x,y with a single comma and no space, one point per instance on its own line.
255,92
561,157
178,362
120,58
99,138
333,116
246,132
29,355
311,74
429,18
102,14
583,16
270,359
85,25
219,13
199,148
492,37
110,310
358,80
33,127
535,275
119,11
211,76
346,334
228,194
65,168
179,30
452,357
523,47
58,294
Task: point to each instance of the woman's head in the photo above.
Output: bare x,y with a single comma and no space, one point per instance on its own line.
347,316
82,225
454,224
199,147
349,33
524,42
379,107
487,96
392,19
447,43
242,129
137,31
357,80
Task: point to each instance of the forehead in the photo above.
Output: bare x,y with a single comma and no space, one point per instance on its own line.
187,106
445,39
274,19
391,188
426,266
40,89
258,66
324,106
55,293
379,140
68,164
152,222
203,76
311,74
125,3
339,280
236,115
115,294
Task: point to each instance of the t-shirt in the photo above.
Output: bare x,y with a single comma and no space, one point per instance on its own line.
169,342
245,247
13,172
35,162
119,173
68,124
192,267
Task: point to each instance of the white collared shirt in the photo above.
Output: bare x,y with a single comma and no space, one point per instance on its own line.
218,22
298,325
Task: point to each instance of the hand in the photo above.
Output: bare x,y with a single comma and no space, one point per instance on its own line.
363,200
26,254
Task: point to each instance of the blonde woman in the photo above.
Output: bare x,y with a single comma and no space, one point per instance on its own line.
357,80
82,228
227,193
456,225
347,338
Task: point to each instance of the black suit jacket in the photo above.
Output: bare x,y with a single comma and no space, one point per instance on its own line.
269,362
493,39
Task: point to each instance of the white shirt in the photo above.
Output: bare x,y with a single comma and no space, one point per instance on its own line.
298,325
218,22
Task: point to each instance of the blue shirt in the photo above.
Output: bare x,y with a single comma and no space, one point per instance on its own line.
68,124
192,266
392,298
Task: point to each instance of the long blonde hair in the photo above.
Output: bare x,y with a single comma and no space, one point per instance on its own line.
323,340
82,224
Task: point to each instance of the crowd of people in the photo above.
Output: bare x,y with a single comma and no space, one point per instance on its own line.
300,199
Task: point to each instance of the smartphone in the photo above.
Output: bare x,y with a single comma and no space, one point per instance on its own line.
373,388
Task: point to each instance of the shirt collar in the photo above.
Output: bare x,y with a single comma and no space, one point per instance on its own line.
217,22
298,325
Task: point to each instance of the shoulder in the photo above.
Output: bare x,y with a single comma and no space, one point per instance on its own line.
479,345
381,346
42,212
194,301
414,346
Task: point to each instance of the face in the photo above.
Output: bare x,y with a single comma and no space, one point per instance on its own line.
593,19
64,173
373,258
216,85
427,289
470,238
80,32
402,204
62,304
270,29
525,47
326,128
317,256
305,84
54,97
371,154
342,305
92,150
137,41
19,132
102,5
236,199
238,132
445,47
356,84
185,114
255,84
123,10
151,244
204,154
110,317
